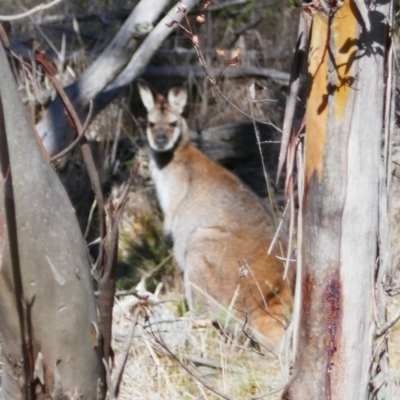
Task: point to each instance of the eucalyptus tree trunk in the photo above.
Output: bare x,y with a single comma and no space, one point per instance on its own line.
343,199
48,318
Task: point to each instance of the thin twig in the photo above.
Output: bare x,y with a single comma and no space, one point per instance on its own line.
199,379
252,339
267,181
266,177
79,137
231,306
173,320
282,219
209,74
247,349
212,364
386,326
34,10
262,396
150,273
89,222
289,189
294,89
120,371
73,116
285,259
265,308
213,80
110,387
125,292
393,291
114,230
219,7
98,193
108,272
377,347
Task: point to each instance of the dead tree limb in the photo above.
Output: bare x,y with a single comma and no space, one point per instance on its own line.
142,56
53,128
28,13
230,73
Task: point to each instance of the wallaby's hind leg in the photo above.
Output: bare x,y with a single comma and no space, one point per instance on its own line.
271,323
210,284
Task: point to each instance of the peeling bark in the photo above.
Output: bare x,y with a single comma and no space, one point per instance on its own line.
340,208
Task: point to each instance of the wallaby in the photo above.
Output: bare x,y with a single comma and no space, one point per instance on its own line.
221,231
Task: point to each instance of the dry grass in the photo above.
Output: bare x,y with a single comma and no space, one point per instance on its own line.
394,348
201,353
238,370
394,336
151,372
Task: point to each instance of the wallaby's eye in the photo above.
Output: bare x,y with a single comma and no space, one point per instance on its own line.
151,124
173,124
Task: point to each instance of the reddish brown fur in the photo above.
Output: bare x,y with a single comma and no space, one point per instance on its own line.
241,240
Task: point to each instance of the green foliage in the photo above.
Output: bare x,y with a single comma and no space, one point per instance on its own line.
144,253
125,283
182,308
245,13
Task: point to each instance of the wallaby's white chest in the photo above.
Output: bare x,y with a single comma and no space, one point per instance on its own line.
162,184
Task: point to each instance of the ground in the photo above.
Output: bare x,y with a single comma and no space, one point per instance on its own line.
172,365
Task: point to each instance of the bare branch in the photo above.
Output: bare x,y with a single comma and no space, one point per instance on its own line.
262,396
26,14
78,139
385,327
295,80
393,291
120,370
197,377
110,386
53,128
229,73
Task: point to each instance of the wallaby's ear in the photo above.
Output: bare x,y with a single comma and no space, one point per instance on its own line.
177,98
146,95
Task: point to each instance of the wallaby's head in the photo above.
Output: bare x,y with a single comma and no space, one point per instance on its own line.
165,125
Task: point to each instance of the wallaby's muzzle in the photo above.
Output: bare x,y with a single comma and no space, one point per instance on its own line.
161,138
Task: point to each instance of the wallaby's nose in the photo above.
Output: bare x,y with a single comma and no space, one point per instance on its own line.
161,138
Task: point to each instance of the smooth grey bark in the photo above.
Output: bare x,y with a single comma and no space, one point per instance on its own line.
394,216
48,317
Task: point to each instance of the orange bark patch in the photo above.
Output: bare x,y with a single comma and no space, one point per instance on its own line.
344,33
340,34
317,107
